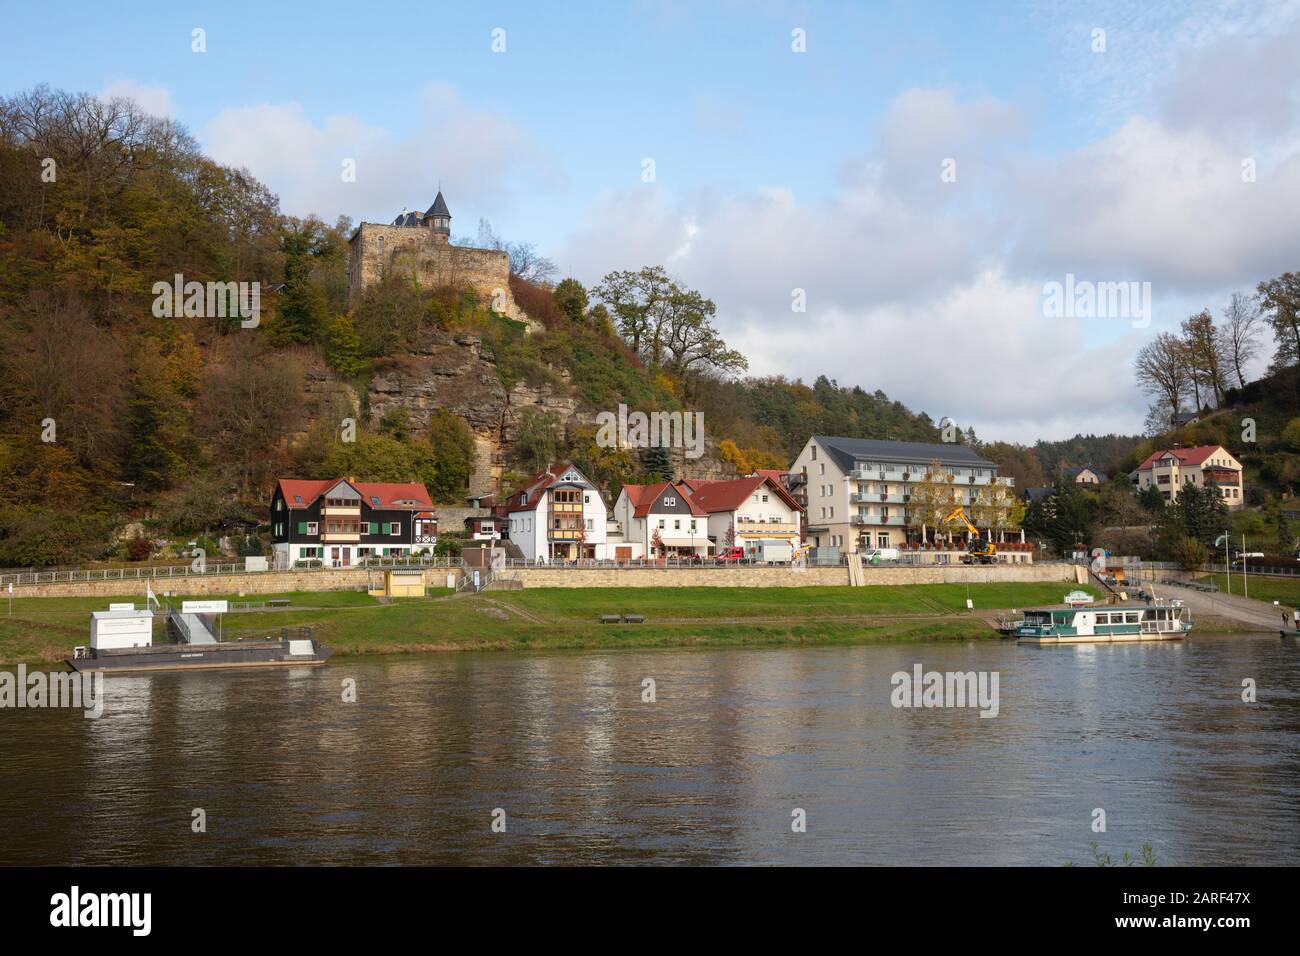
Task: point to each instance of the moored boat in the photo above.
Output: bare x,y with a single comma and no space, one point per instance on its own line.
1128,621
299,650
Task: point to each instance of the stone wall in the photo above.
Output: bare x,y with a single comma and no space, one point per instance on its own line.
769,577
353,579
434,262
225,585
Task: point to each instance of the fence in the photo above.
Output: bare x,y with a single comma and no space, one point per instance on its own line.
172,571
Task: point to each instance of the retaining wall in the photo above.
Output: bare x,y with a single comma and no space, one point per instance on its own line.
352,579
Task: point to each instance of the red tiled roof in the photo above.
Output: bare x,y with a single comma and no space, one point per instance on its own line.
715,496
643,497
1186,456
388,493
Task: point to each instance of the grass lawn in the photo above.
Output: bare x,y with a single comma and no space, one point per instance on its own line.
1283,590
46,629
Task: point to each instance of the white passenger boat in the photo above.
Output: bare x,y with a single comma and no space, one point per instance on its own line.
1129,621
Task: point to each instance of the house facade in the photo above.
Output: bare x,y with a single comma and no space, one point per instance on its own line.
1170,470
342,522
558,515
704,518
861,493
661,520
1086,475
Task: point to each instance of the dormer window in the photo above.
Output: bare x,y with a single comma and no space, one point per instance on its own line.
670,501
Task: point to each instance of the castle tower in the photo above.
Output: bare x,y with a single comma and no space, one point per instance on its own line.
439,219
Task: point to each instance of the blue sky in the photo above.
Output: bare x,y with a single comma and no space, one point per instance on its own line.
775,170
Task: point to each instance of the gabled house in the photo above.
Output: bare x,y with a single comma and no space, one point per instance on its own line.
756,514
702,518
558,515
1086,475
661,519
1172,469
342,522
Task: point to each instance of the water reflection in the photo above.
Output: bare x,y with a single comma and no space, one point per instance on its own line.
287,772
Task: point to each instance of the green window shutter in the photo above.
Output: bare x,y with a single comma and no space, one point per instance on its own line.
302,527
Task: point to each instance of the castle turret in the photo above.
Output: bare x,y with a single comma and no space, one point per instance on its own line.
439,217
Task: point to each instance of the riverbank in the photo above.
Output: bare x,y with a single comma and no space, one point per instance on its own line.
44,630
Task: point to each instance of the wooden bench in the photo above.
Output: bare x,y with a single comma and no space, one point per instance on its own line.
278,602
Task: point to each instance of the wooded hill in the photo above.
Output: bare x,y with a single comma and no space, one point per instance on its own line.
114,418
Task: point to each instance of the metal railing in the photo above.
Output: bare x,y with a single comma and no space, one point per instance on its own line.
174,571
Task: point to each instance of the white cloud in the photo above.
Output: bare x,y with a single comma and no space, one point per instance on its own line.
156,100
475,155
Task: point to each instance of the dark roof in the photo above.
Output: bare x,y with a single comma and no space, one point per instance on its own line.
1038,494
439,207
846,450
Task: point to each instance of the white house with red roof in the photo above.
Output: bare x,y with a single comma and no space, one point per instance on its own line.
342,522
703,518
1172,469
558,515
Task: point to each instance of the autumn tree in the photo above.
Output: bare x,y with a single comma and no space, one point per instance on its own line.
1207,357
1279,301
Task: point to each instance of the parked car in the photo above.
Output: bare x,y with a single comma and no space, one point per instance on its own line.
730,555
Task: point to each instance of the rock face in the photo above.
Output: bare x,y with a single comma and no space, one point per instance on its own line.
452,370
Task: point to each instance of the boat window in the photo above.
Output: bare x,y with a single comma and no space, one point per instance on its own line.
1103,618
1132,617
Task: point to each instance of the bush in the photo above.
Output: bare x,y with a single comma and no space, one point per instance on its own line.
138,548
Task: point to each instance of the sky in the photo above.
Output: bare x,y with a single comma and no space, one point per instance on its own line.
916,174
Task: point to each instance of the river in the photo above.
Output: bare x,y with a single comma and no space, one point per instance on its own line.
710,772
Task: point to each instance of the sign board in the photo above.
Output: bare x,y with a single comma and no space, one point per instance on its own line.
121,607
255,564
204,607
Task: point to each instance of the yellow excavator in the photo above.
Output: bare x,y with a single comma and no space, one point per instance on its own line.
978,551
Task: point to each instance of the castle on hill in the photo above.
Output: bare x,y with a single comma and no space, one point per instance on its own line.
419,244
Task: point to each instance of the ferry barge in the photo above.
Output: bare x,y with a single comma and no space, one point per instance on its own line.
1123,622
270,652
121,641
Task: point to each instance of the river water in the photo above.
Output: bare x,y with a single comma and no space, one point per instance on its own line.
586,771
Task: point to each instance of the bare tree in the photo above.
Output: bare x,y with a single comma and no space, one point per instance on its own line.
1162,370
1241,328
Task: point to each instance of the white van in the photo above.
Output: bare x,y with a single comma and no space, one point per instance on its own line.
879,555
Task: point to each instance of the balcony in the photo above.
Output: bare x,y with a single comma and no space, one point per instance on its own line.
341,511
340,537
767,527
876,519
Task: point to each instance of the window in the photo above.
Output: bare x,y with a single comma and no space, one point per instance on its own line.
279,504
677,524
765,497
692,524
396,528
814,452
661,523
365,527
311,527
670,502
823,468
